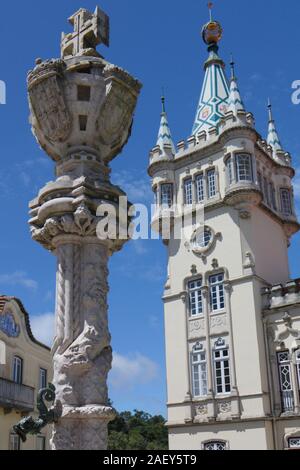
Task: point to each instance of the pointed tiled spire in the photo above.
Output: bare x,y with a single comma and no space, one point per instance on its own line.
235,101
213,102
273,138
164,134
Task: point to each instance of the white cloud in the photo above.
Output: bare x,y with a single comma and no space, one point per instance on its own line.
296,184
129,371
43,327
136,185
18,278
139,247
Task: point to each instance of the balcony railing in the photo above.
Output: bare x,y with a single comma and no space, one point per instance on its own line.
15,396
287,400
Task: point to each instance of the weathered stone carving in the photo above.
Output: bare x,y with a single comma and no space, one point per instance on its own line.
201,410
196,328
224,407
81,130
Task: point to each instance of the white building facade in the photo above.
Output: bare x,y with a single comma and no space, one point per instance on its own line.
232,314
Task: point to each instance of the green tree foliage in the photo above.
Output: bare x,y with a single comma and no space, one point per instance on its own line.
137,431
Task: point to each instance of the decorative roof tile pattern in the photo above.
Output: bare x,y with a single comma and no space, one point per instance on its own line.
3,300
164,133
235,101
273,137
213,103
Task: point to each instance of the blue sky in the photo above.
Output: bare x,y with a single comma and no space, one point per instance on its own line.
159,43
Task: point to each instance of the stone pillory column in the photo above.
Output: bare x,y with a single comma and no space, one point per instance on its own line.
81,114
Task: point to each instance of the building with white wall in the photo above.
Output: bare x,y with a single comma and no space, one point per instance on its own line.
232,313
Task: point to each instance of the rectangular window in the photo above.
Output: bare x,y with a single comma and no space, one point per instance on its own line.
211,182
273,196
199,373
195,297
40,443
285,378
222,371
259,180
167,195
83,93
83,120
200,188
217,298
266,191
286,206
244,167
18,370
188,191
14,441
43,378
230,170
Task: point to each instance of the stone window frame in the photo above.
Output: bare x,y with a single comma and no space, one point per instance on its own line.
215,348
188,281
280,364
17,356
212,242
197,176
212,169
231,157
161,185
289,191
200,351
237,165
41,368
217,273
293,434
215,441
184,183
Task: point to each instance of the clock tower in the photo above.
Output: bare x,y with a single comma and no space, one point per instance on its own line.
227,195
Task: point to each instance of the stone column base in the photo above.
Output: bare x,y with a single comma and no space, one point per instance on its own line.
82,428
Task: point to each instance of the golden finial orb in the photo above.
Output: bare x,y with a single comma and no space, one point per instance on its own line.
212,32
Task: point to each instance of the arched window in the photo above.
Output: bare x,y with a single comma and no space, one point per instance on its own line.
244,171
215,445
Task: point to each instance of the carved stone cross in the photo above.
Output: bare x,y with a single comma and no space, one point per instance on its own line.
90,30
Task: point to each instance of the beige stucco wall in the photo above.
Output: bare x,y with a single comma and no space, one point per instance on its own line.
34,357
256,435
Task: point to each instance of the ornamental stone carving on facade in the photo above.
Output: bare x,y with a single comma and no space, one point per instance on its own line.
196,328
